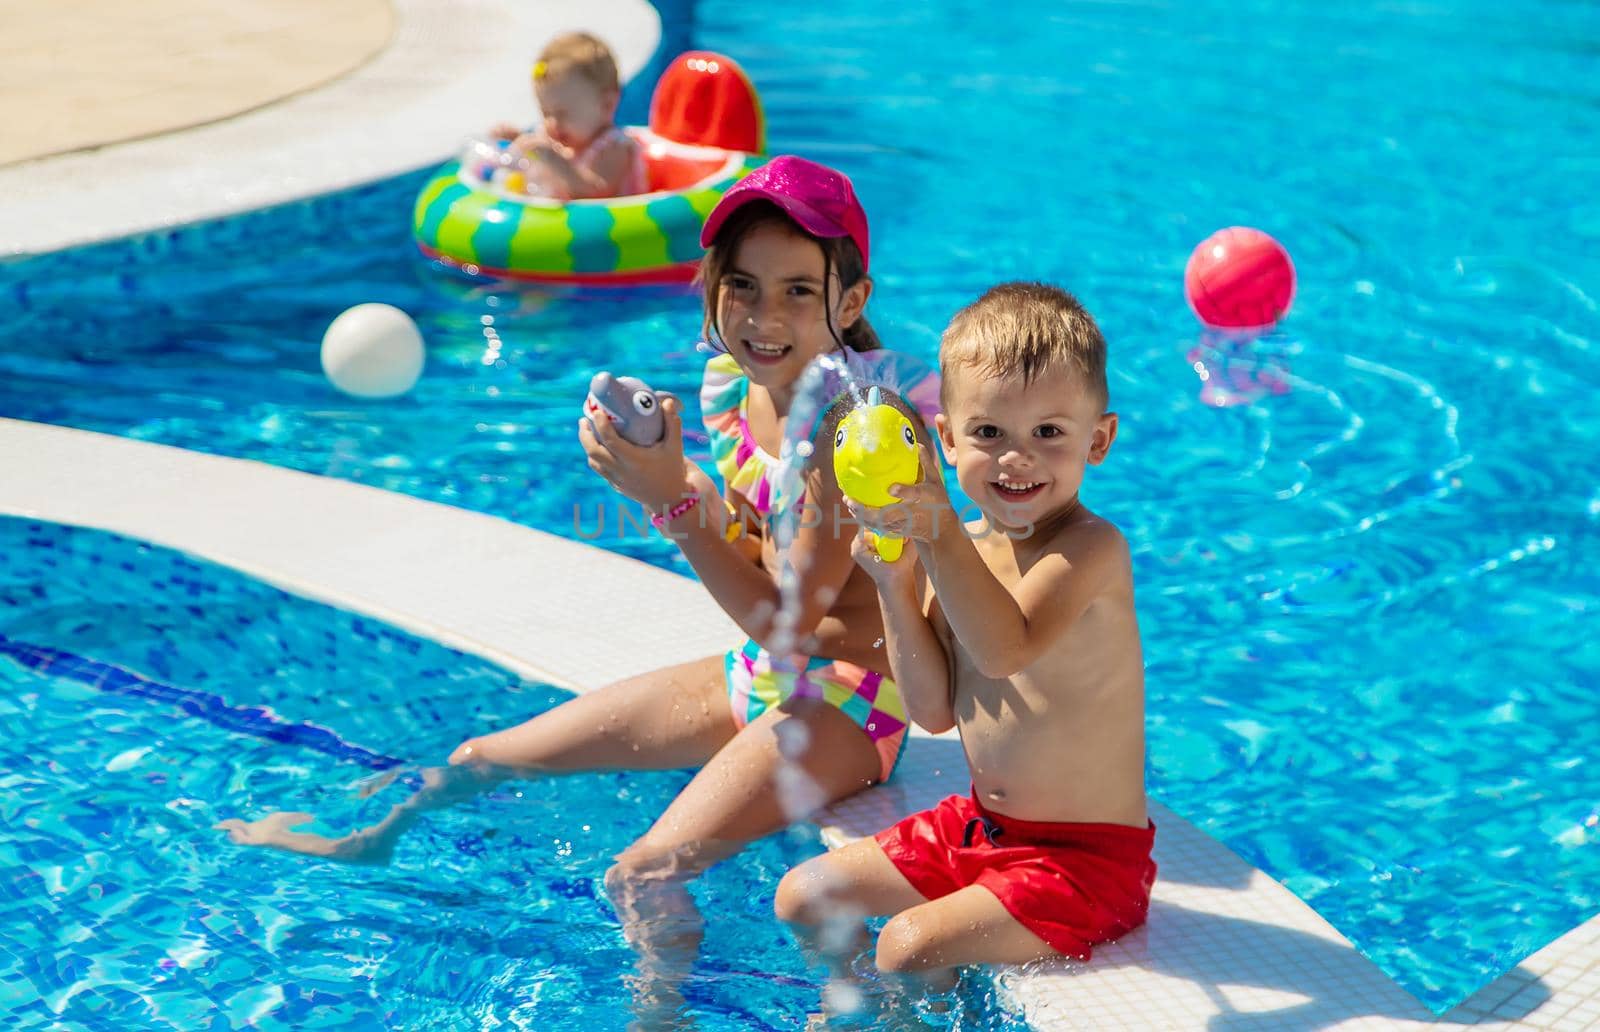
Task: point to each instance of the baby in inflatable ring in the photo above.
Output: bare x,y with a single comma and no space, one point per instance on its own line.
706,130
578,151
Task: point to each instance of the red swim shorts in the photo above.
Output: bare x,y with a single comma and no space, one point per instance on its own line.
1072,885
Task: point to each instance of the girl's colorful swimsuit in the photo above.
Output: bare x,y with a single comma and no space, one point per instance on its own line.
756,679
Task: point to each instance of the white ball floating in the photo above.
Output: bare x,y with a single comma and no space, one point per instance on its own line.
372,351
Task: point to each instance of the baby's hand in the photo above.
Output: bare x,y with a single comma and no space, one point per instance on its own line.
504,131
546,151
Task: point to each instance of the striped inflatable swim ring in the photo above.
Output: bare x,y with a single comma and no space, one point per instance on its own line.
706,126
480,228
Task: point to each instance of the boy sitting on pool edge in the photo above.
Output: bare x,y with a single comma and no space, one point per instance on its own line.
1029,646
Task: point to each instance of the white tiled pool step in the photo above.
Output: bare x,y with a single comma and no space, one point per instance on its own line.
1226,947
526,600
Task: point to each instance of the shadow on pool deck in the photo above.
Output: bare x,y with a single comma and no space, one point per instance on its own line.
1211,951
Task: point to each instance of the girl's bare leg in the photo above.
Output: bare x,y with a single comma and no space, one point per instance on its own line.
784,765
669,718
374,844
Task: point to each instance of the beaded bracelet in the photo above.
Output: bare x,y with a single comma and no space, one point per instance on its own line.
660,520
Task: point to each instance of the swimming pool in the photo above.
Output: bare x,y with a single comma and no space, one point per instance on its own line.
144,696
1365,601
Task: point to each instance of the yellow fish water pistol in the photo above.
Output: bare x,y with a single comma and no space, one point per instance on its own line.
874,447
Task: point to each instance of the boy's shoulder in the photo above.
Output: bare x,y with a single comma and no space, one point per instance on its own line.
1081,545
1090,530
1088,538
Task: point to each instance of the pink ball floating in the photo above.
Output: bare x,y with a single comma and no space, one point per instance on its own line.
1239,278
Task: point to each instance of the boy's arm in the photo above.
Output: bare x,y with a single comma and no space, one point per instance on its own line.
1003,631
917,657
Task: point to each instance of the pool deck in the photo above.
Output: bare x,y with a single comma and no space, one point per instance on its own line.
1226,946
449,70
118,71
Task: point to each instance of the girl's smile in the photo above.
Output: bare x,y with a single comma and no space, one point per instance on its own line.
765,352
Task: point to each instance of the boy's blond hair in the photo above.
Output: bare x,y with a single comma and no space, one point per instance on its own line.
580,54
1026,328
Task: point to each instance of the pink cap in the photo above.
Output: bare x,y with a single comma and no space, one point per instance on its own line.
820,199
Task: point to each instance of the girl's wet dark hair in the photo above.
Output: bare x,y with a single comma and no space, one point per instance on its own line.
840,257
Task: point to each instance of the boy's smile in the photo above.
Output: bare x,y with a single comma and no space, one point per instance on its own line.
1018,490
1020,448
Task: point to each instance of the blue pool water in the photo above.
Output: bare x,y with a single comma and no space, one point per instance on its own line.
1368,600
145,696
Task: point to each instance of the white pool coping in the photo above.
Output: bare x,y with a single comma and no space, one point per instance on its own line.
1227,947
